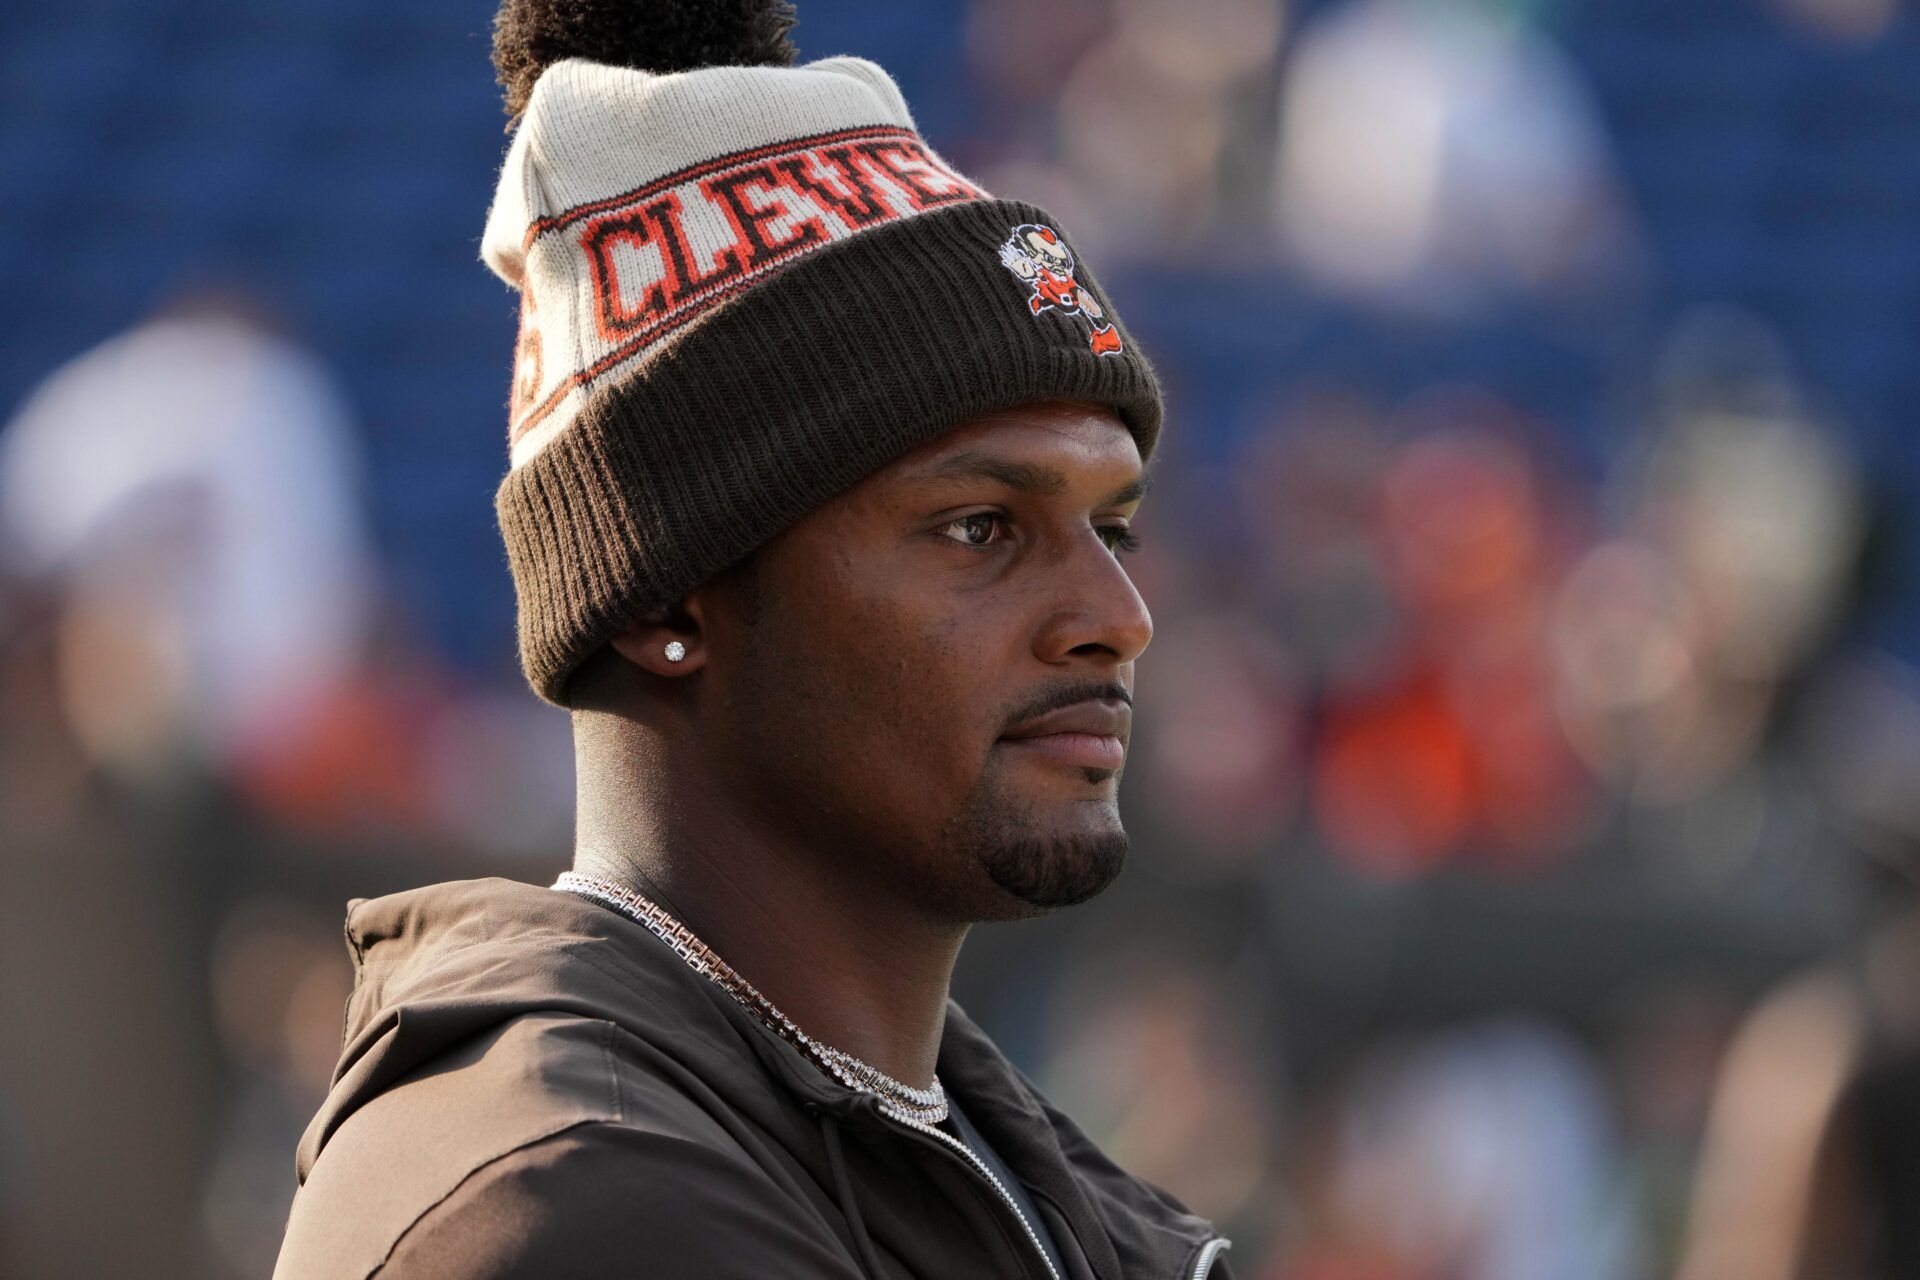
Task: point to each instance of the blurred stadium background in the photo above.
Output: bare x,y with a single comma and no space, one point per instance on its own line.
1525,794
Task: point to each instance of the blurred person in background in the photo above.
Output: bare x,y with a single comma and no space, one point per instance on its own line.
1482,1152
821,462
186,588
1810,1166
194,484
1444,158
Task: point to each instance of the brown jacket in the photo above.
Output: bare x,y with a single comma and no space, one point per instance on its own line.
534,1086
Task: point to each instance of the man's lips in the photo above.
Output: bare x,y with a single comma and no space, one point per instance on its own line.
1082,750
1089,735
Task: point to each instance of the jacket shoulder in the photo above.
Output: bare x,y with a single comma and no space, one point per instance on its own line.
407,1150
559,1208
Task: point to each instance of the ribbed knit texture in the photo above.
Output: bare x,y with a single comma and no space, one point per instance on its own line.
786,396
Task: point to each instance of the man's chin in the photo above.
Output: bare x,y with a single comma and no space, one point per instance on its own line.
1045,873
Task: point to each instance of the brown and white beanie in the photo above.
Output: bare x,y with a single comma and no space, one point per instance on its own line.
743,288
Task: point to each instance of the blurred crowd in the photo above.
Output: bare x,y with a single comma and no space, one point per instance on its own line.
1525,830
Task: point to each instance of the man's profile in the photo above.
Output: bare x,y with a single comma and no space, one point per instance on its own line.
815,513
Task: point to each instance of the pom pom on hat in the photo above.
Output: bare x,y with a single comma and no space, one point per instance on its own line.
661,36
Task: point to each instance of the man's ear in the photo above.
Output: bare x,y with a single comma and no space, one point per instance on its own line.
651,641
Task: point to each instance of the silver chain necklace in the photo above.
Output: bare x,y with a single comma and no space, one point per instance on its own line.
927,1106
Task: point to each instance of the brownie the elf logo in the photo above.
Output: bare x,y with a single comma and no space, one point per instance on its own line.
1042,261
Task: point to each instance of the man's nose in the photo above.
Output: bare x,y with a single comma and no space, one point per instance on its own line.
1099,611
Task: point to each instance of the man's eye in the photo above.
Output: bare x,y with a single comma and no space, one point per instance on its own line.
976,529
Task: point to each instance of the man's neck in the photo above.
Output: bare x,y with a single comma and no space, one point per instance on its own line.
849,965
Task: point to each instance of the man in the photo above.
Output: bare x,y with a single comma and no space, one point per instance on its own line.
814,521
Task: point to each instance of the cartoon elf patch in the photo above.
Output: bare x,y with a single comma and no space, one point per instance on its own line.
1042,260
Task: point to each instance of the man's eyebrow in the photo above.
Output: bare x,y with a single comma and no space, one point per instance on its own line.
1025,477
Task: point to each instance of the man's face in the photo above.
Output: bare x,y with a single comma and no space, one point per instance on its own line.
864,678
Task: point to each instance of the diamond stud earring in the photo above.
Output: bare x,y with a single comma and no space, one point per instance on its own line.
675,651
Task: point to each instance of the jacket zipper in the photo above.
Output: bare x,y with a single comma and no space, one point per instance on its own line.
1208,1252
980,1164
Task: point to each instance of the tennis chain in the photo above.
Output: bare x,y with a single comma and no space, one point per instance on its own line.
928,1106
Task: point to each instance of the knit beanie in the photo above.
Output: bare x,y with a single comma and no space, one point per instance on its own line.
743,288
